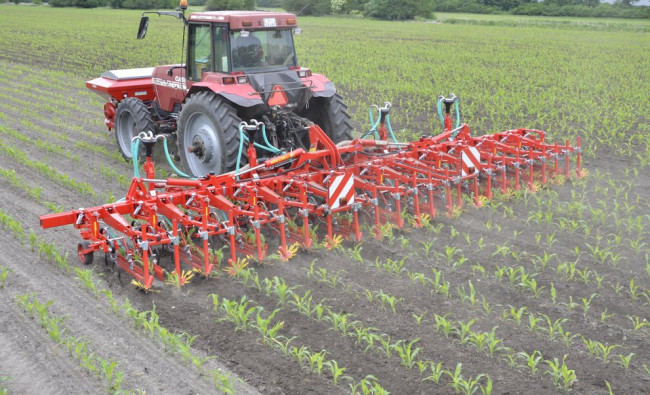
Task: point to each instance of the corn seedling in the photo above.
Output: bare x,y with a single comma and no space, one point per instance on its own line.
624,360
436,372
336,371
562,376
264,326
568,338
418,318
531,360
406,352
317,361
355,253
4,271
638,323
586,304
443,325
282,343
236,312
464,330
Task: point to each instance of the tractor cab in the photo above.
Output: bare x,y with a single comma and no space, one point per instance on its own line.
246,57
240,42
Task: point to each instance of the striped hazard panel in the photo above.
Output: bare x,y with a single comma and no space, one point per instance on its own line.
341,191
471,160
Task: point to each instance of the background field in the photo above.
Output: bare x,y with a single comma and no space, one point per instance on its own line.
561,272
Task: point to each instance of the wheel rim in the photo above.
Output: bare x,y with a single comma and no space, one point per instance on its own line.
202,146
126,130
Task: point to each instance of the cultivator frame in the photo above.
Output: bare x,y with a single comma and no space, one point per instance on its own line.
280,201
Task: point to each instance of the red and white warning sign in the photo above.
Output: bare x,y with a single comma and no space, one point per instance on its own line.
471,159
341,191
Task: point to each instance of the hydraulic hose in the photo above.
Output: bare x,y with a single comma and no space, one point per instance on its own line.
442,117
135,147
171,163
242,138
375,124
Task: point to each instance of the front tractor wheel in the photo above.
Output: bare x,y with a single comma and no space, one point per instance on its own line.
131,118
208,135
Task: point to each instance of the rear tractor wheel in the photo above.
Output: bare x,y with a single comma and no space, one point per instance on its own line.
131,118
331,114
208,135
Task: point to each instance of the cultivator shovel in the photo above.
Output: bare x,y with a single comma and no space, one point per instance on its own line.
330,192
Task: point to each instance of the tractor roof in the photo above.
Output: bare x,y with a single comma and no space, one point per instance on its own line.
247,19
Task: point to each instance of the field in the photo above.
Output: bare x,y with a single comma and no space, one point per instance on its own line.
535,292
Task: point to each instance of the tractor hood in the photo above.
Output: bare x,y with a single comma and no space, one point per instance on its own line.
298,92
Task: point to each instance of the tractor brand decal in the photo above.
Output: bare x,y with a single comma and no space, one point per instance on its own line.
179,84
341,191
141,93
206,17
471,160
269,22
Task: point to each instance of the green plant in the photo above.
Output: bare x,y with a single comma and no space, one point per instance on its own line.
443,325
586,303
418,318
317,361
436,372
464,330
336,371
562,376
4,271
388,300
532,360
236,312
624,360
406,352
268,330
355,252
638,323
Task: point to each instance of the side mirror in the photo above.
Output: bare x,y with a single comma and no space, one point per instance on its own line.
142,30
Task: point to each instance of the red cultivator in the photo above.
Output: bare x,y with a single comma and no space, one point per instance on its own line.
283,201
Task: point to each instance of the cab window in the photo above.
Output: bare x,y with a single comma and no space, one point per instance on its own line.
199,56
221,49
262,49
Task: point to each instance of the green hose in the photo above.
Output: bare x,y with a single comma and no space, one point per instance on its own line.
242,137
390,128
171,163
439,106
442,117
375,125
135,146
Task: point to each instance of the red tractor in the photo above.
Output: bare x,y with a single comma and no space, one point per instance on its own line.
240,65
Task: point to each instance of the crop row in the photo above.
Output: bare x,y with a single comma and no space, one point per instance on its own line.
77,347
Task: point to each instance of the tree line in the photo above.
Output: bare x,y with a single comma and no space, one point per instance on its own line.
390,9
